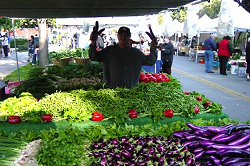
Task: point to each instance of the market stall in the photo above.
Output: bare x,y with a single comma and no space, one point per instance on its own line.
153,69
195,54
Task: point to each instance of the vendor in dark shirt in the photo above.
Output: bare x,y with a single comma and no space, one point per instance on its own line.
121,62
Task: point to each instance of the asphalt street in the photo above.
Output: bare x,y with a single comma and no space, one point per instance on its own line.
9,64
232,91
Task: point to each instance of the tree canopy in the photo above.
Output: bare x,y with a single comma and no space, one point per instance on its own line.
6,23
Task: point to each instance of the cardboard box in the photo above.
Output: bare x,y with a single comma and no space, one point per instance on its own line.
184,49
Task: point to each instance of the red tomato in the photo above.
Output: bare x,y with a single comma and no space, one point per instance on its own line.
47,117
196,109
186,92
14,119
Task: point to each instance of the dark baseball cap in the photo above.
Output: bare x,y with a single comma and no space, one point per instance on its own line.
125,30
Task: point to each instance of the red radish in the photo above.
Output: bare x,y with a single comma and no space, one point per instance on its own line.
196,109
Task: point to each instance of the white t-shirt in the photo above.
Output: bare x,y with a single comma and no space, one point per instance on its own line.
5,41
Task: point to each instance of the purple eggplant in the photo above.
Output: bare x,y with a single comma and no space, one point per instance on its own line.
190,137
211,151
206,143
215,160
247,163
194,144
186,143
206,133
227,139
197,150
238,128
126,154
217,130
235,153
189,161
222,146
202,138
218,136
209,163
104,162
219,151
230,161
240,140
199,155
178,135
228,125
193,127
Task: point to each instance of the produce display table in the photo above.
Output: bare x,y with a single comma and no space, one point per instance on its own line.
155,68
194,54
61,125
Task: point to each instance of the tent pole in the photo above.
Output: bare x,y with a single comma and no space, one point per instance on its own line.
13,27
197,47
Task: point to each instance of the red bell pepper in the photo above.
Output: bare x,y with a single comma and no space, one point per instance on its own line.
132,114
47,117
168,113
97,116
196,109
14,119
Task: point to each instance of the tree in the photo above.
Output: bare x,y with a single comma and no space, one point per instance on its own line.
180,14
5,23
211,9
24,23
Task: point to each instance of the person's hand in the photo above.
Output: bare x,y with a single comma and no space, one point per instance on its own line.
153,43
93,36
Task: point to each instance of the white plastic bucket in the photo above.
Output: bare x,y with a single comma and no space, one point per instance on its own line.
234,69
242,71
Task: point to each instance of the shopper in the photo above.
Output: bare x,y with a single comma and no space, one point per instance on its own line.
210,46
5,45
121,62
167,55
248,58
32,47
224,52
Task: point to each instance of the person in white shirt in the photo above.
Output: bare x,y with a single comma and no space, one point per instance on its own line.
5,45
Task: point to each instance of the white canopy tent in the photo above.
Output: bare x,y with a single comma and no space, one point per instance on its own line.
207,25
240,17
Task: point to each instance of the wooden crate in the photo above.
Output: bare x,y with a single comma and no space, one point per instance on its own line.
82,61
